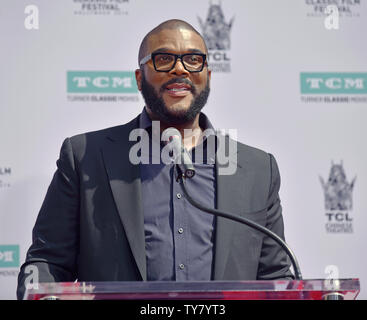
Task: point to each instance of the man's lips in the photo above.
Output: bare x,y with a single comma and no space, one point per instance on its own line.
178,86
178,89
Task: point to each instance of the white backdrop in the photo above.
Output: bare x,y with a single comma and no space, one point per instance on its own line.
272,43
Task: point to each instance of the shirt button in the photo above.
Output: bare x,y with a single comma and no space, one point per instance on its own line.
180,230
178,195
182,266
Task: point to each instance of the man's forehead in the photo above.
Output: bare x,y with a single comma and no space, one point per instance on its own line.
176,39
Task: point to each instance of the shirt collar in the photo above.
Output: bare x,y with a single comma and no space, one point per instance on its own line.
208,157
145,122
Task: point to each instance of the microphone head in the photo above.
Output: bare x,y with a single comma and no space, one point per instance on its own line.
181,156
173,139
172,134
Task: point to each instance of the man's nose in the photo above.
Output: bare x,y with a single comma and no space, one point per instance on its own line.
179,68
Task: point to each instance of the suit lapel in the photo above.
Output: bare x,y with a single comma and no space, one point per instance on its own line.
229,199
124,179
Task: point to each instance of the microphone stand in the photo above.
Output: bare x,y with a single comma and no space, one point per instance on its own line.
181,179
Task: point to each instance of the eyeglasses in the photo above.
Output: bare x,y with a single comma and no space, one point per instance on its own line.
165,62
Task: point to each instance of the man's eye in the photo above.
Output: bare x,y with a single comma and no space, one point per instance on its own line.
194,59
164,58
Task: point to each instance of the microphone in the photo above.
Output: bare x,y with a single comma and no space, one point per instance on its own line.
182,158
188,171
245,221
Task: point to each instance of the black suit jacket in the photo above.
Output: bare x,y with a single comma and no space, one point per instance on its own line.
91,225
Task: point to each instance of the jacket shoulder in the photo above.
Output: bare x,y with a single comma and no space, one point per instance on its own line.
250,154
96,139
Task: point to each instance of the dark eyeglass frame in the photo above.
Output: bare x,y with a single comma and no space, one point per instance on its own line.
177,56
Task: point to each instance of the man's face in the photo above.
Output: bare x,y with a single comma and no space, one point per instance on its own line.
177,96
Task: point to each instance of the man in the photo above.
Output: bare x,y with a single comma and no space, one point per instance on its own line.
105,218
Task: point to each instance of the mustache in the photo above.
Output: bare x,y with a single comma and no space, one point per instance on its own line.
178,80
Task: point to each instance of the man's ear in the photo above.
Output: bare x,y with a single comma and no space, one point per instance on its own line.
138,78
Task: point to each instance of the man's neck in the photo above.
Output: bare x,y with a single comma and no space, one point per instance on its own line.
190,131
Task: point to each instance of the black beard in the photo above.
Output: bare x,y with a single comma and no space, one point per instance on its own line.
159,108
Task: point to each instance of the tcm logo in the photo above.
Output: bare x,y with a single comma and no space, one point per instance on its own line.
9,256
338,195
330,83
101,82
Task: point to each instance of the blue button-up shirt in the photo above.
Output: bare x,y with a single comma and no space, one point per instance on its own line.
178,237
